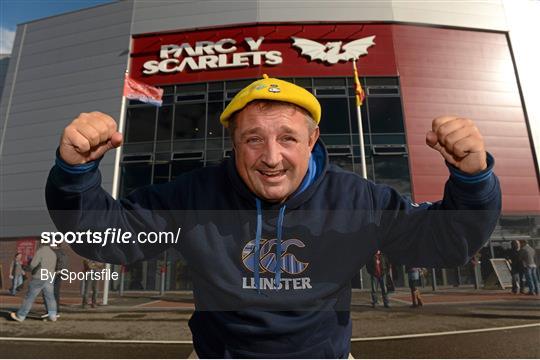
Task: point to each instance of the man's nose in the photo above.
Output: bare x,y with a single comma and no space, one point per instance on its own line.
272,154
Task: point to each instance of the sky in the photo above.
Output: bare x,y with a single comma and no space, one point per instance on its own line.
13,12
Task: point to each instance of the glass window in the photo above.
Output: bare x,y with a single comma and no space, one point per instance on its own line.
179,167
135,102
191,88
215,129
189,121
351,86
330,91
238,84
215,86
215,96
335,116
343,161
135,176
161,173
394,171
164,127
385,114
168,89
373,80
354,120
357,160
136,157
191,97
329,81
168,99
303,82
383,91
140,124
180,275
232,93
162,156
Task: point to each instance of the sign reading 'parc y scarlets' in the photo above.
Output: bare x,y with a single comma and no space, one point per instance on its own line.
308,50
210,55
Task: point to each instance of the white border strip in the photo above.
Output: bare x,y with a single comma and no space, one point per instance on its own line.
113,341
188,342
456,332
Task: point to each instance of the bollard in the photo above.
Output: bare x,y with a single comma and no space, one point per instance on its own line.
476,282
163,273
122,272
433,280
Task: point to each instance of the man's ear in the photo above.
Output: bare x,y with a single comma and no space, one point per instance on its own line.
313,137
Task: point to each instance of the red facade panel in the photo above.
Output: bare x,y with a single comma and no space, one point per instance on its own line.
469,73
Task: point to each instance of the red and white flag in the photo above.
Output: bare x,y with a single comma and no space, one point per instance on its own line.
136,90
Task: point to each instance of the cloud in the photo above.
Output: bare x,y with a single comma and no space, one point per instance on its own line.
6,40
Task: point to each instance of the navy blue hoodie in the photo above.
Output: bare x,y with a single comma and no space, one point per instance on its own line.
273,280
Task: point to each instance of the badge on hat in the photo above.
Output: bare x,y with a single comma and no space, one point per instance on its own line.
274,88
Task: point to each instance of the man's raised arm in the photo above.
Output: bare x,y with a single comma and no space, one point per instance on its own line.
77,202
448,232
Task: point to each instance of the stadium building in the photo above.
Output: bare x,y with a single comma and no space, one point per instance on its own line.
475,59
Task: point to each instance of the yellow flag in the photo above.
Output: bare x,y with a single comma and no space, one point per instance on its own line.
360,95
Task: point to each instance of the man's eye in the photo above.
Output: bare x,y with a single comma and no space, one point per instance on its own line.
254,140
288,139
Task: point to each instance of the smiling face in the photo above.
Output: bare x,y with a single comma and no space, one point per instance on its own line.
273,143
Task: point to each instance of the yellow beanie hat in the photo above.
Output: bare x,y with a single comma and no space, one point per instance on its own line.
272,89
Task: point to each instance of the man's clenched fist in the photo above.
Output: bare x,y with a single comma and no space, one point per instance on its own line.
88,137
459,142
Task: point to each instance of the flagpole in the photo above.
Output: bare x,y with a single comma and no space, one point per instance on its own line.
360,129
116,184
116,174
118,155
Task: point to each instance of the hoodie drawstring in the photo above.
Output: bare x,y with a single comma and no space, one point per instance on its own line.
281,216
257,255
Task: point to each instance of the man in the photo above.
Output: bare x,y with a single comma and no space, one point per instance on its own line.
90,283
516,267
43,262
274,234
378,268
61,264
16,274
527,255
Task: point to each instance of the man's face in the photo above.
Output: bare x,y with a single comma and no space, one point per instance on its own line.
272,147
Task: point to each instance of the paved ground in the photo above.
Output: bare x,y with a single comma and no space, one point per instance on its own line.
146,317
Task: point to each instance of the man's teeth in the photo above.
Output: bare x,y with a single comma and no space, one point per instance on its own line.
272,173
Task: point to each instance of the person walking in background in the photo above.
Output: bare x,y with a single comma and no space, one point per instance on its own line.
377,267
413,274
61,263
44,259
16,273
516,267
527,255
90,266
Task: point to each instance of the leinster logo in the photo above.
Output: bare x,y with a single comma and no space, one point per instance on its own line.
267,262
